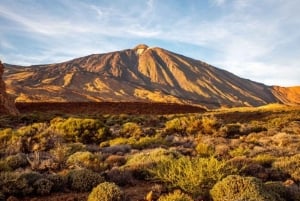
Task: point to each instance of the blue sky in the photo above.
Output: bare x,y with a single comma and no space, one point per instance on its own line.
254,39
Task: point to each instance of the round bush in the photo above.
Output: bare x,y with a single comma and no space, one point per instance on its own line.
278,189
12,183
17,161
83,180
31,177
43,186
58,182
106,191
175,196
235,187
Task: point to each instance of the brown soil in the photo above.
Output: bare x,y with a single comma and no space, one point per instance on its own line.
107,108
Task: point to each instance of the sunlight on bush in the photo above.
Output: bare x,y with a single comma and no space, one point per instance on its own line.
81,130
265,159
192,175
290,165
86,160
106,191
205,150
234,187
83,180
150,157
131,129
239,151
175,196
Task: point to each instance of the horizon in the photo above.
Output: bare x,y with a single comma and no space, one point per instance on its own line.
237,36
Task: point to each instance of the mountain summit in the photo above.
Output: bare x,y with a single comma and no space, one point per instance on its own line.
146,74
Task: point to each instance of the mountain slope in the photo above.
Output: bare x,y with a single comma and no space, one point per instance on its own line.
138,74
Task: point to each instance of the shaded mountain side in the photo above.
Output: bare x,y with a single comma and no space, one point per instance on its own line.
140,74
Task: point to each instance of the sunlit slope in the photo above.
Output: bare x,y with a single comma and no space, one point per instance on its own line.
138,74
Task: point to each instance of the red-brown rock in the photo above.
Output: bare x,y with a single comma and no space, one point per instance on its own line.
7,104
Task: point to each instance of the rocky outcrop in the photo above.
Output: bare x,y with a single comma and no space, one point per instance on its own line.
7,104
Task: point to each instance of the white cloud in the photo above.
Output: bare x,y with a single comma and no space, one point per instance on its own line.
218,2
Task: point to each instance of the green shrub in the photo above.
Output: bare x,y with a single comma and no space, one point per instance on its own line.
58,181
209,124
231,130
192,175
4,166
191,125
17,161
106,192
83,180
265,160
239,151
151,157
31,177
146,142
43,186
177,125
289,165
81,130
278,190
204,150
175,196
120,176
13,184
131,129
86,160
32,130
5,135
235,187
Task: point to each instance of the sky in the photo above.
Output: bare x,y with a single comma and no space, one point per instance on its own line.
254,39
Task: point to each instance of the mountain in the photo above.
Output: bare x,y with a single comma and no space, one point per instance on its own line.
146,74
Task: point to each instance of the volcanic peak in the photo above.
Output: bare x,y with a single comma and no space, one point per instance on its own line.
139,49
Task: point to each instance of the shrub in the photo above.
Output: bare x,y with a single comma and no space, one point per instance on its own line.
13,184
231,130
17,161
278,190
146,142
235,187
4,166
290,165
265,160
43,186
192,175
86,160
204,150
106,192
31,177
58,182
209,124
239,151
131,129
120,176
177,125
175,196
115,160
5,136
81,130
151,157
83,180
